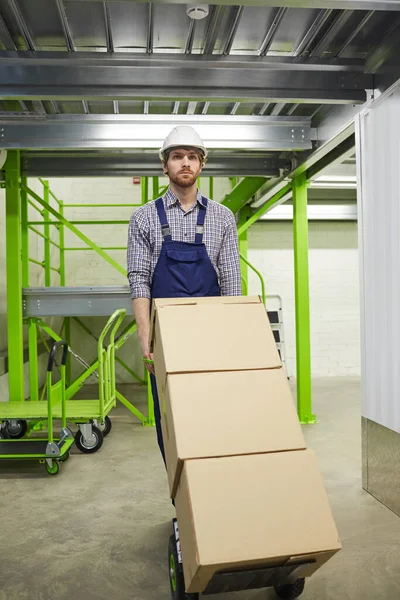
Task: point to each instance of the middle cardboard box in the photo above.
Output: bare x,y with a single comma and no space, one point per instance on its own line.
222,389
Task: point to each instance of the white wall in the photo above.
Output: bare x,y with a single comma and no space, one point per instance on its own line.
333,272
334,289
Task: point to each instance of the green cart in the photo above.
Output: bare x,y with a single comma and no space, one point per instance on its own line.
91,416
51,450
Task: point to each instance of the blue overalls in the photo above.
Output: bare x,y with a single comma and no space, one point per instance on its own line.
183,269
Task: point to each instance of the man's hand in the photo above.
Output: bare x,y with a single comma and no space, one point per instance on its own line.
147,356
141,311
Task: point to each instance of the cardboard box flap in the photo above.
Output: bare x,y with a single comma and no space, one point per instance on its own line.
196,300
215,337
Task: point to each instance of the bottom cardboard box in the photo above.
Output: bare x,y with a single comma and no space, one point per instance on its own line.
248,511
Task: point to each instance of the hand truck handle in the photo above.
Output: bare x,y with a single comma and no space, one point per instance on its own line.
53,351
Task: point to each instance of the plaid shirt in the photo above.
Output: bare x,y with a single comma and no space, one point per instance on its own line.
145,240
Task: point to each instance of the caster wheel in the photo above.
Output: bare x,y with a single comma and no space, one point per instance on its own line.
4,435
53,470
64,458
16,428
176,580
290,591
91,445
106,428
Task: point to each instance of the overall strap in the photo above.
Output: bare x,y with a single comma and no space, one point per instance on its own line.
165,229
200,221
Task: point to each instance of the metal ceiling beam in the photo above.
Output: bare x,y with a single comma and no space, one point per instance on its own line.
34,164
150,77
303,49
5,36
269,38
335,4
190,37
385,49
30,44
216,17
65,25
150,29
331,34
109,34
148,131
236,16
355,32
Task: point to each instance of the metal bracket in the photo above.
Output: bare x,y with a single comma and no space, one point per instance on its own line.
52,449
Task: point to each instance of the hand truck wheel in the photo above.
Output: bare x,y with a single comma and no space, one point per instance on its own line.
291,590
106,428
176,579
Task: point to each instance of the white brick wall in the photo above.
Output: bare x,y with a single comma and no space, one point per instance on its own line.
333,271
334,289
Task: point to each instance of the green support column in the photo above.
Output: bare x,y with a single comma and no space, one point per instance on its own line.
156,187
14,278
46,231
33,360
24,236
211,192
243,247
302,300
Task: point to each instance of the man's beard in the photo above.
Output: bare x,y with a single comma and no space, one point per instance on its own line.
184,182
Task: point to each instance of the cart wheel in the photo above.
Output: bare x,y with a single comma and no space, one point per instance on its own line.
106,428
4,435
93,445
16,429
53,470
290,591
176,580
64,457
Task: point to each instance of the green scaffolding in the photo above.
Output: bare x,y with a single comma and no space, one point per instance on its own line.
19,196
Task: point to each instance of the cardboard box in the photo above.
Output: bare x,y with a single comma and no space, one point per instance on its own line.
211,336
225,414
250,511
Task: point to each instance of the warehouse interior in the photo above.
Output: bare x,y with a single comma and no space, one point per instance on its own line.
296,102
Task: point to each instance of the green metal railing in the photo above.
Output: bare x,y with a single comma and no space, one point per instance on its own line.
260,277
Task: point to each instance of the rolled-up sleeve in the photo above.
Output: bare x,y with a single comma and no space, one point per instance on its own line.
229,261
138,258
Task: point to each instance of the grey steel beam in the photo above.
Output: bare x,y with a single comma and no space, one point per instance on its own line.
334,4
36,164
269,38
333,31
150,77
311,35
236,16
30,44
5,36
148,131
65,25
109,34
150,29
355,32
385,49
190,37
216,17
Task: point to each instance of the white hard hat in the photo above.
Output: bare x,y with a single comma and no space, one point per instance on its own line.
183,136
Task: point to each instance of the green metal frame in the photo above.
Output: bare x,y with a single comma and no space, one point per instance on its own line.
302,300
19,196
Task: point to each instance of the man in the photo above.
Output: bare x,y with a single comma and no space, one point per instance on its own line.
181,244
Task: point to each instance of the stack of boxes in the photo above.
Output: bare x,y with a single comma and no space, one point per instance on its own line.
248,493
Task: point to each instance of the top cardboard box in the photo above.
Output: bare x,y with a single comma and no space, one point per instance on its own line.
211,334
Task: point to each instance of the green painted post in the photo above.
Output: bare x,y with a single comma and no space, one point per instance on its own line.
67,337
14,277
46,231
211,187
24,236
244,214
33,359
242,192
62,247
302,300
156,188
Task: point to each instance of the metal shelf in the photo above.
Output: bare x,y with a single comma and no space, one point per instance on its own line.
75,301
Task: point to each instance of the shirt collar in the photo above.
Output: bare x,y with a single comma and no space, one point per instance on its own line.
170,199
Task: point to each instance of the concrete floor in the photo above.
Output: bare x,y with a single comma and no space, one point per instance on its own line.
99,529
